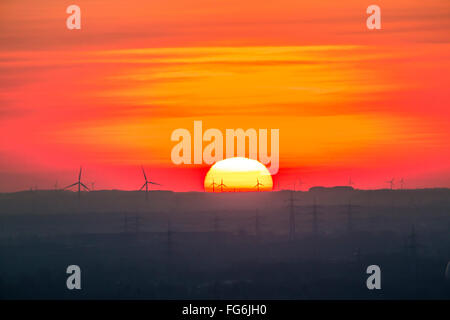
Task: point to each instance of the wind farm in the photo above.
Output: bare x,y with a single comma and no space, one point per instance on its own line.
205,150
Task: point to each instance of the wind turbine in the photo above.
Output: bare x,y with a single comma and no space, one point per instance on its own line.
350,182
78,183
213,184
258,184
300,183
391,183
402,181
221,185
146,184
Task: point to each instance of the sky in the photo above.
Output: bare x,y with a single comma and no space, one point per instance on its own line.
349,102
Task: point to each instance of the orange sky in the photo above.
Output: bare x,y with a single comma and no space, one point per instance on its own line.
347,101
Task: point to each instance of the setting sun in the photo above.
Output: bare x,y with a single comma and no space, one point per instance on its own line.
238,175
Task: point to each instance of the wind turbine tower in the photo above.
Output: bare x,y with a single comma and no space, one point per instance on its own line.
391,183
300,183
79,184
258,184
213,184
221,185
147,182
350,182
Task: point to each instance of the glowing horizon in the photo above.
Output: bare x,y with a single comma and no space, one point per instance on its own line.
348,102
238,175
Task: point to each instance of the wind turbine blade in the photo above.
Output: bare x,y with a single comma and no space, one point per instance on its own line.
155,183
79,175
142,186
73,184
145,177
84,186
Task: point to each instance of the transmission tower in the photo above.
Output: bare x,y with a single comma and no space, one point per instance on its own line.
292,223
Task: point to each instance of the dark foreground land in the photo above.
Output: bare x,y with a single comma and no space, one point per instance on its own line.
226,246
